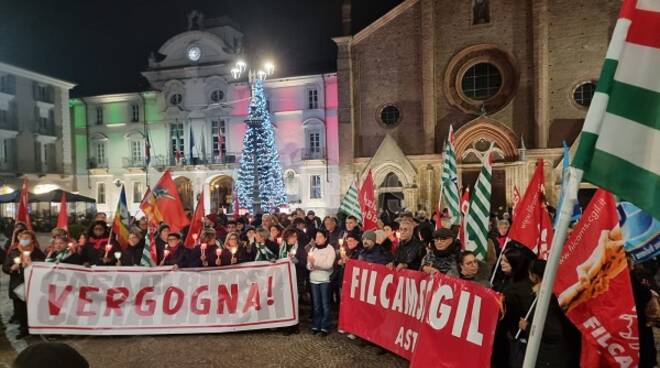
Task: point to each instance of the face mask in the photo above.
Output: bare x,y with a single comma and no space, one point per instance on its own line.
24,242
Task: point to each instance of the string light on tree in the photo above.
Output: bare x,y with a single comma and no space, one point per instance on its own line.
260,183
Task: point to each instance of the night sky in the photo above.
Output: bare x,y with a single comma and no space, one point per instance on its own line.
103,45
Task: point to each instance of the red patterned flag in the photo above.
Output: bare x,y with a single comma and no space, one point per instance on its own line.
148,206
63,216
196,225
23,211
526,227
168,203
368,204
593,286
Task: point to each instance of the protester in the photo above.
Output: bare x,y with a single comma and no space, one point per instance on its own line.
374,252
334,232
392,241
499,239
267,250
13,241
63,251
472,269
518,297
161,240
410,251
175,253
51,355
276,234
19,257
101,217
442,256
292,250
320,260
205,253
351,226
560,342
132,255
312,221
96,251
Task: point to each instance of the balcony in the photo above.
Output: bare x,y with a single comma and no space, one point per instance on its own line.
313,154
8,124
96,164
226,159
43,128
133,162
8,166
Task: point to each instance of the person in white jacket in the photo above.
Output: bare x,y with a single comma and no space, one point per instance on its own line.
320,261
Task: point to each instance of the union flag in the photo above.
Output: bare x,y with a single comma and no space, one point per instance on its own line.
163,204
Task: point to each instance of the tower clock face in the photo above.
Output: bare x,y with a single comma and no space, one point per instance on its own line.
194,53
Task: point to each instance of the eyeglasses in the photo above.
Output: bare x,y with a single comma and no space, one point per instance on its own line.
172,240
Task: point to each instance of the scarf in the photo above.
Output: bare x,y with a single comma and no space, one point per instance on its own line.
264,254
98,243
285,249
59,257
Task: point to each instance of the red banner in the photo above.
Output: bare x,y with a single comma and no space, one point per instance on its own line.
593,285
368,204
434,321
63,216
23,210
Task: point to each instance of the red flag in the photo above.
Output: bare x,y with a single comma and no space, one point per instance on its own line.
465,207
153,252
593,286
167,202
23,212
526,227
196,224
516,200
368,204
177,156
63,217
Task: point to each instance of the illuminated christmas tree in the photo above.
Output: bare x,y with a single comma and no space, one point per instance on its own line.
260,183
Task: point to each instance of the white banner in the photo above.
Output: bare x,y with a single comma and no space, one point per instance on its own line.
74,300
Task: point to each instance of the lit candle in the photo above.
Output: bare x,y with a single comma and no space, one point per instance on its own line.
71,245
166,252
279,241
108,247
17,260
118,255
26,253
398,235
194,237
203,246
218,252
342,251
233,250
341,242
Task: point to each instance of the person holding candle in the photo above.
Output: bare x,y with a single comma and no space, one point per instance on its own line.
26,252
410,251
266,249
231,250
205,253
13,241
392,237
63,251
443,255
373,250
174,253
161,240
97,250
276,234
320,261
132,255
292,250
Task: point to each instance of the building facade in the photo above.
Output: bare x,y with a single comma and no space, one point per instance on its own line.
513,76
35,132
194,120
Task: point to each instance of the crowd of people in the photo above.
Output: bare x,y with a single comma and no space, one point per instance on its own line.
320,248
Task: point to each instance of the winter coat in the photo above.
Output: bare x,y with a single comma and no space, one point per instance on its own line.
410,252
324,258
93,253
560,343
482,277
443,261
17,277
376,254
132,256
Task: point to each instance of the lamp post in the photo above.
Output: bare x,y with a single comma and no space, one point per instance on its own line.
217,192
237,72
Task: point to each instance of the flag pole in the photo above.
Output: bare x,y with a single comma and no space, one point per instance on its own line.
536,332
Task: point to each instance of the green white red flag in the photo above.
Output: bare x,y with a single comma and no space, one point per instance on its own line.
620,140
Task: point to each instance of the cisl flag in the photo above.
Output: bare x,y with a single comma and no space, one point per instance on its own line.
593,286
368,204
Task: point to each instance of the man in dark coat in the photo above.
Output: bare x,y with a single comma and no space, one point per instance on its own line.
410,251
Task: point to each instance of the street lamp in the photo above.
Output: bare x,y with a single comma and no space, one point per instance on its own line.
253,76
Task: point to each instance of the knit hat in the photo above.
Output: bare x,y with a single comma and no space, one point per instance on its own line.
369,235
443,233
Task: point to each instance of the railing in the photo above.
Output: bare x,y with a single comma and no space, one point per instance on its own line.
228,158
133,162
95,164
45,129
313,154
9,124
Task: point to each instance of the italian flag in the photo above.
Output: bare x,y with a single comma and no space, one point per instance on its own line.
619,147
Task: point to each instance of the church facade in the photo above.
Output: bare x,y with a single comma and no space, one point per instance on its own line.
193,118
513,76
